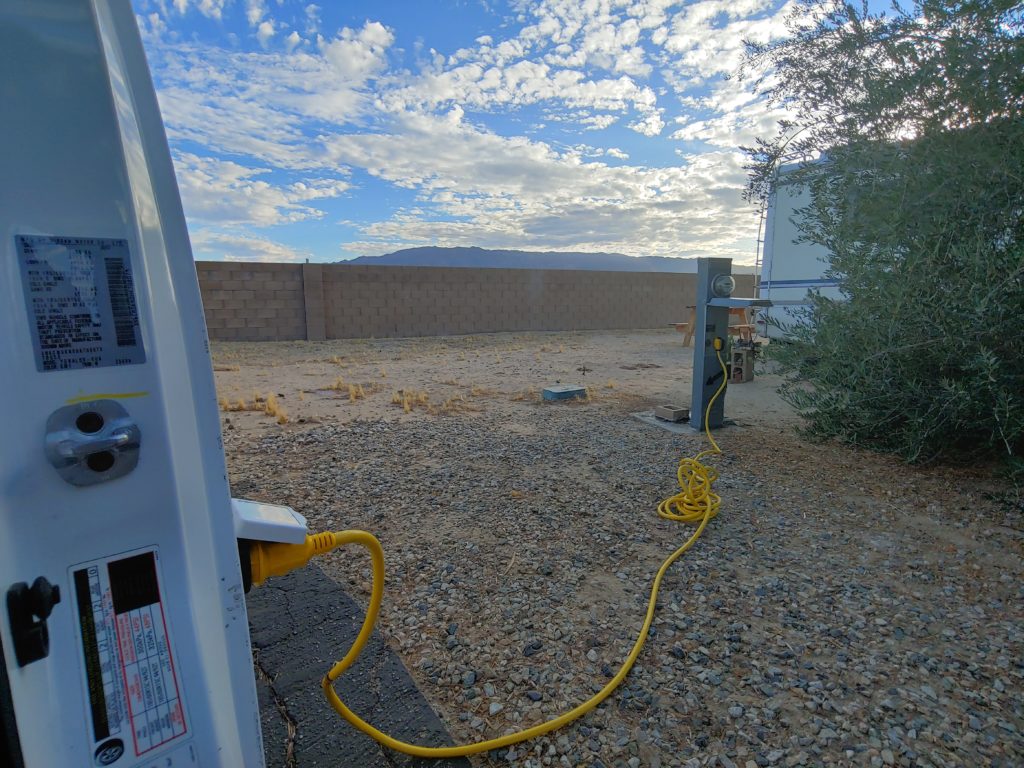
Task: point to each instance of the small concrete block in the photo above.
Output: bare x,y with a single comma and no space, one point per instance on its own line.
564,392
673,413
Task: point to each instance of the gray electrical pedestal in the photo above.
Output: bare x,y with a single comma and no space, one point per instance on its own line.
715,285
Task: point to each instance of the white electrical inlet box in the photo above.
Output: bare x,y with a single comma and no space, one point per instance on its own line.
123,630
259,521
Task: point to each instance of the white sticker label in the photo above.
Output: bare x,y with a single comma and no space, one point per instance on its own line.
81,303
132,688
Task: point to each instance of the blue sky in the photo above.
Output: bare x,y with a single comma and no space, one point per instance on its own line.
338,129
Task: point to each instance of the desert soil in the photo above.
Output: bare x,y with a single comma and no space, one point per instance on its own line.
843,609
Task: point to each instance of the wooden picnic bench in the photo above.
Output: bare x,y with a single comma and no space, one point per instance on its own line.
744,329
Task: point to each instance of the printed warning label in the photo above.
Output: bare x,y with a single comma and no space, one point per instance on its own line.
81,301
132,688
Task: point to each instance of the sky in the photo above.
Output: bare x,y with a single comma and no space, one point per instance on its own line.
340,129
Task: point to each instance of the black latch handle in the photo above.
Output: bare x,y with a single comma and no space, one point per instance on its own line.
28,608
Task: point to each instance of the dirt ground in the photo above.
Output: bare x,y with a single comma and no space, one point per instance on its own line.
844,609
489,374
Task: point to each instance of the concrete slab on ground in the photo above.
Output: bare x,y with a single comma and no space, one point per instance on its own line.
680,428
301,623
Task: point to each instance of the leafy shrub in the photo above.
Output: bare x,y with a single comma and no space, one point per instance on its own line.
912,138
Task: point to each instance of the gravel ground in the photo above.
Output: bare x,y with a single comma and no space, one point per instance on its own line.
842,609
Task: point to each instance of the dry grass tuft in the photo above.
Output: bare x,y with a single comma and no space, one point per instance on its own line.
590,395
410,399
478,391
612,384
356,392
525,394
272,408
455,404
258,404
241,404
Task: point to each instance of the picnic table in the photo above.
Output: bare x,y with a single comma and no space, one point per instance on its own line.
744,329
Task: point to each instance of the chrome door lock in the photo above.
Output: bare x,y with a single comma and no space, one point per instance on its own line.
92,442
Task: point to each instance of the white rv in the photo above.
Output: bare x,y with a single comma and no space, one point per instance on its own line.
789,270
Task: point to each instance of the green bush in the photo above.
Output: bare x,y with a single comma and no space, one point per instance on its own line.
914,124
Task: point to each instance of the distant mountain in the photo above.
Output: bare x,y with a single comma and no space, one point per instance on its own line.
431,256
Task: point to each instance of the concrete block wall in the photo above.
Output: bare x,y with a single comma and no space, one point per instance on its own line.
335,301
252,301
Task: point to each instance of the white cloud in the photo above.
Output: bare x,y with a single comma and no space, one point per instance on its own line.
706,39
502,192
734,128
571,55
220,246
255,10
152,24
581,119
598,122
264,32
335,108
703,50
229,194
519,84
358,55
651,125
256,104
312,19
292,41
213,9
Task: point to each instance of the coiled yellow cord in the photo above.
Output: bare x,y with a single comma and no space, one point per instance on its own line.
695,503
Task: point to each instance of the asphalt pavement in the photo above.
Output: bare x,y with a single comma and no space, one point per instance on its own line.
300,624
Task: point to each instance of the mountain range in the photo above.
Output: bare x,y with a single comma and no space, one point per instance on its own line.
433,256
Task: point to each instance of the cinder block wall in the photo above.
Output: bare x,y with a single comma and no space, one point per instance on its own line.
270,302
252,302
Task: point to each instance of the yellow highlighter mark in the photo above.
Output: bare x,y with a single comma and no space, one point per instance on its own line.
106,396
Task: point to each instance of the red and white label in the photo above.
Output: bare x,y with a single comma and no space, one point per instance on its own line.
154,701
133,692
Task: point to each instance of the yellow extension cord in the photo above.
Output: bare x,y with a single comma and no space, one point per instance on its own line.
695,503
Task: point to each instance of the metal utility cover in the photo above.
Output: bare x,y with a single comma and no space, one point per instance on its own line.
564,392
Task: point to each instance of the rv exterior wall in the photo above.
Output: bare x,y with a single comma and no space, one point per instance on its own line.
791,268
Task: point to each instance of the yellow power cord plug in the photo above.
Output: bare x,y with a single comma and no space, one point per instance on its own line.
267,559
695,503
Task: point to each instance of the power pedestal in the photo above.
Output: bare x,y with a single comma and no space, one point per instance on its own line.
715,285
